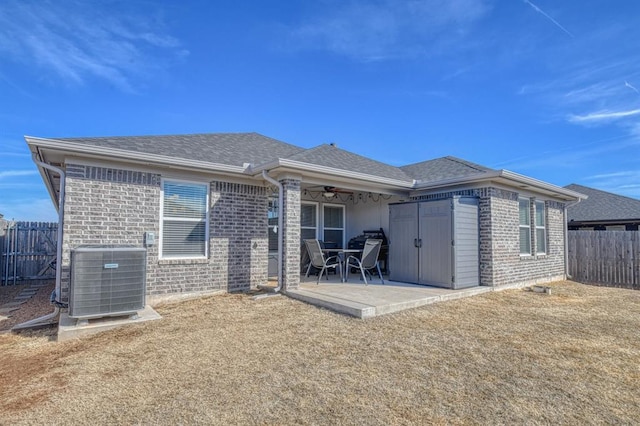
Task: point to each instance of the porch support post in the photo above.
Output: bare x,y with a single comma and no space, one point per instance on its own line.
291,232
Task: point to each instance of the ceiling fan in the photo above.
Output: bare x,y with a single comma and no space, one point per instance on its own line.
332,191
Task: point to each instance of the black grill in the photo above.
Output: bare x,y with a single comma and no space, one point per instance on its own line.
358,243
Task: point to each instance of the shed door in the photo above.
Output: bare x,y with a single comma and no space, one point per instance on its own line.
435,224
403,253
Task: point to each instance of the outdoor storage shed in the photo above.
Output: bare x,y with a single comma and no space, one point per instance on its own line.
435,242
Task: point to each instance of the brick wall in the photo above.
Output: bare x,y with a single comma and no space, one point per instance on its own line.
291,232
508,266
116,207
239,235
500,260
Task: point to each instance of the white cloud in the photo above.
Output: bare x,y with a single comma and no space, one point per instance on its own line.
390,28
603,116
623,182
78,40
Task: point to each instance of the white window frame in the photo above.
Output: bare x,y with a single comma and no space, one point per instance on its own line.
162,218
542,227
317,227
344,222
528,227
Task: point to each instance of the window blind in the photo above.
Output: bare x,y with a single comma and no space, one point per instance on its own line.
184,219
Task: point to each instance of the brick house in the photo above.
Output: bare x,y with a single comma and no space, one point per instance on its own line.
213,201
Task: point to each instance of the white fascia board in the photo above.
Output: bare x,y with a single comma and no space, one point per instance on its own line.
480,177
507,177
145,158
536,183
330,171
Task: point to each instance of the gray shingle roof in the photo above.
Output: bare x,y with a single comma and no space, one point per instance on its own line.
602,206
443,168
233,149
332,156
236,149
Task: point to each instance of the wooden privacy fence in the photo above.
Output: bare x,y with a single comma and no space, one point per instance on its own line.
27,251
610,258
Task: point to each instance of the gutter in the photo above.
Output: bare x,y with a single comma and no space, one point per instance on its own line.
145,158
501,174
55,296
280,227
325,170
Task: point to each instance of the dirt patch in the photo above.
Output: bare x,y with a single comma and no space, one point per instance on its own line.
500,358
35,307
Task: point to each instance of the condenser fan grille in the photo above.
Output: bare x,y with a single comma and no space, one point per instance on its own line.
107,281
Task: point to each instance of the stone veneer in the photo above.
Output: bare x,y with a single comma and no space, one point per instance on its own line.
500,259
105,206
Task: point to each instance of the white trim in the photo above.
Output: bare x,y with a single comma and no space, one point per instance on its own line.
146,158
344,222
317,227
521,226
308,167
162,218
543,227
511,179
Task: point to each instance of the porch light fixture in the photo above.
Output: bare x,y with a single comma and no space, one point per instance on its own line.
329,194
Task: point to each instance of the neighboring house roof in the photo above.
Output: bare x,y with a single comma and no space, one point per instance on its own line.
233,149
332,156
442,169
602,206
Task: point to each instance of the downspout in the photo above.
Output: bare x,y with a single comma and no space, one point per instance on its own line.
280,225
55,297
566,240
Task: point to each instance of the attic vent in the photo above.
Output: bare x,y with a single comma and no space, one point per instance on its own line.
107,281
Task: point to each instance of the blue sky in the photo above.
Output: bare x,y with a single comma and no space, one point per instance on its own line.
544,88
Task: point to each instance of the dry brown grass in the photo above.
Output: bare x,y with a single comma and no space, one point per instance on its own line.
501,358
37,306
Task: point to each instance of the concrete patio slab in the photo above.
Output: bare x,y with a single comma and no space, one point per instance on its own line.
355,299
68,328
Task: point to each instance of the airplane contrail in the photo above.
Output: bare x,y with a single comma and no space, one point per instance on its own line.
556,23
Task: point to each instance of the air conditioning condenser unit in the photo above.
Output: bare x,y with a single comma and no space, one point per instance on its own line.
107,281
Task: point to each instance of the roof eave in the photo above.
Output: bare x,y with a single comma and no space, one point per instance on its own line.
151,159
577,222
302,167
46,177
509,178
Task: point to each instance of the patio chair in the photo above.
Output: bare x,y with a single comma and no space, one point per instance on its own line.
369,260
319,261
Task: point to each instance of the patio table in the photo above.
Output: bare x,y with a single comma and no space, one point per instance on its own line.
343,253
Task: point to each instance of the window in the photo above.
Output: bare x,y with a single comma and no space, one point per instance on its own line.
541,233
184,227
334,225
525,226
308,221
